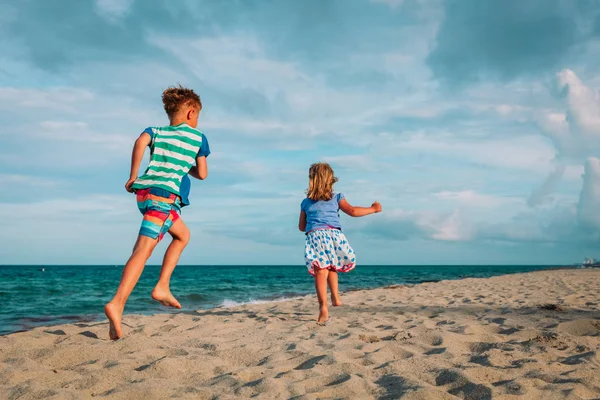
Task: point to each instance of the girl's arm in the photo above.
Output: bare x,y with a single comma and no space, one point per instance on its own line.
302,221
359,211
200,170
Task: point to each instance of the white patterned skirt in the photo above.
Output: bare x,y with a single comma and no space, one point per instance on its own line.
328,249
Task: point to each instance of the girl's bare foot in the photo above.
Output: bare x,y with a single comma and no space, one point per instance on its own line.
336,300
323,314
164,297
114,313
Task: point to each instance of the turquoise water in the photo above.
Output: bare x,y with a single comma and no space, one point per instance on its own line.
47,295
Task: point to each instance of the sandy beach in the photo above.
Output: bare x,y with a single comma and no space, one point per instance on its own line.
533,335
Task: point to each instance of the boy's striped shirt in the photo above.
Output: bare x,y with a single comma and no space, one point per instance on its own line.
173,152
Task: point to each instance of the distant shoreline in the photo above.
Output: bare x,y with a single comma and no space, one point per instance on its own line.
31,322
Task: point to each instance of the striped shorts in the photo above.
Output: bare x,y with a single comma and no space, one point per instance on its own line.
160,209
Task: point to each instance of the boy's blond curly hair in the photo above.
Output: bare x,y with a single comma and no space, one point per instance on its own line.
176,96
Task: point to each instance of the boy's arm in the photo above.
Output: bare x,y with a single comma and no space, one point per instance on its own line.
136,158
359,211
302,221
200,170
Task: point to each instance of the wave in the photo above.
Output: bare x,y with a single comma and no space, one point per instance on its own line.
195,297
228,303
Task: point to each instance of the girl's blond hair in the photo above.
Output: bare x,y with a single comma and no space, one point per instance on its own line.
320,182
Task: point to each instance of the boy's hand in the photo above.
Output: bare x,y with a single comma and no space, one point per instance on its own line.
376,207
128,185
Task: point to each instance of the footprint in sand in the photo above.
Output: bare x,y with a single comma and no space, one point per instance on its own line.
339,380
384,327
480,359
509,331
435,351
510,387
519,363
18,391
58,332
549,378
310,363
481,347
89,334
108,392
462,387
167,328
395,387
146,366
577,358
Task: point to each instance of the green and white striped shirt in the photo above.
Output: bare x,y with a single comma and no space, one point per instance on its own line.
173,152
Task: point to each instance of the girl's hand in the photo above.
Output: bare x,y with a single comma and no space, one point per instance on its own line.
376,207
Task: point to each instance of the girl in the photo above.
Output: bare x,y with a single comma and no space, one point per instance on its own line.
327,250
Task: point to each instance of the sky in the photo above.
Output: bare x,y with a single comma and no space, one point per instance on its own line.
476,124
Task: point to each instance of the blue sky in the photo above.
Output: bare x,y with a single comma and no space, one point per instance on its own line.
476,124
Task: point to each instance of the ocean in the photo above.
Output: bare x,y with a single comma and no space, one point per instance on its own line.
34,296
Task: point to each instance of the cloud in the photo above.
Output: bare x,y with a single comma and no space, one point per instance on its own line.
64,99
397,225
529,152
555,226
575,133
78,33
352,162
470,198
450,228
408,225
29,187
541,194
505,40
391,3
113,10
589,199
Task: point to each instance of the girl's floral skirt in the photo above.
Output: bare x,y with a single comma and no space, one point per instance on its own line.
328,249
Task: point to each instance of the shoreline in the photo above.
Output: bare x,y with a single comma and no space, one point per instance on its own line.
533,335
98,317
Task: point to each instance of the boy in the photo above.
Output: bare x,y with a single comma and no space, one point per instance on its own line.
160,193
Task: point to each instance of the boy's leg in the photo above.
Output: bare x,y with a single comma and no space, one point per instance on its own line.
321,286
332,281
181,236
131,273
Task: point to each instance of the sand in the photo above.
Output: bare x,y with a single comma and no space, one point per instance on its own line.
534,336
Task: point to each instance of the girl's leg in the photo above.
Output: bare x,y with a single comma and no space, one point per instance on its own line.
131,273
321,286
332,281
162,292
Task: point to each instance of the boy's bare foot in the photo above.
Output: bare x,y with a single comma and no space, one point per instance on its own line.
323,315
335,300
164,297
114,313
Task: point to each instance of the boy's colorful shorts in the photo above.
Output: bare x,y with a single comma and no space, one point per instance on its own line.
160,209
